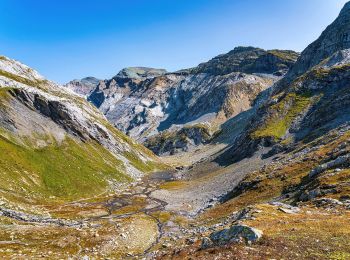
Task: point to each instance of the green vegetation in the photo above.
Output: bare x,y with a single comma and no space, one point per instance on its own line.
282,115
20,79
172,185
285,55
4,93
129,141
321,73
142,166
69,170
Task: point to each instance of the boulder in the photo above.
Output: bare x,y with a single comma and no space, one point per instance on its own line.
235,234
206,243
341,160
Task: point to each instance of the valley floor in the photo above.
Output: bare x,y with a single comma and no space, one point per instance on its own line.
167,214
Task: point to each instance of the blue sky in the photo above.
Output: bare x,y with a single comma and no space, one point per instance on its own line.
69,39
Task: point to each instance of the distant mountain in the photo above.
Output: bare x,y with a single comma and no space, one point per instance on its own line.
83,86
143,102
140,73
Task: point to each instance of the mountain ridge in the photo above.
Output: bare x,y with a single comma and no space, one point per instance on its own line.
171,100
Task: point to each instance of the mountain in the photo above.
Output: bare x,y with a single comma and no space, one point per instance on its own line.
261,160
140,73
56,146
143,102
296,203
83,86
310,100
249,60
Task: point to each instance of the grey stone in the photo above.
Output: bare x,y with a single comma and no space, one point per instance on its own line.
236,233
206,243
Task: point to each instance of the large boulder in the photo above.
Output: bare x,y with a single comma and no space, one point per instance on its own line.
235,234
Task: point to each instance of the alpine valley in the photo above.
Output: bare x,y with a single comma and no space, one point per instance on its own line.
246,156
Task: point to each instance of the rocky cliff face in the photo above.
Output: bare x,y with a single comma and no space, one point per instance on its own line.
334,38
311,100
143,102
55,144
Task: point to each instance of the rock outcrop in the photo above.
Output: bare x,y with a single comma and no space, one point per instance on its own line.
235,234
182,140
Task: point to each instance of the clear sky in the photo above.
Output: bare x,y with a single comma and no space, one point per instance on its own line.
68,39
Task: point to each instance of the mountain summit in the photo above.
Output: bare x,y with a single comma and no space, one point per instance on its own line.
140,73
334,38
249,60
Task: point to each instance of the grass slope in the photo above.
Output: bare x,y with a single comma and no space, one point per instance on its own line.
70,170
283,114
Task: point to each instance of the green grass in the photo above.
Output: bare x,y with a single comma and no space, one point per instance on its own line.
142,166
284,55
4,93
282,116
67,171
20,79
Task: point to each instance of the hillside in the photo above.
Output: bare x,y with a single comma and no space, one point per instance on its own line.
56,146
309,101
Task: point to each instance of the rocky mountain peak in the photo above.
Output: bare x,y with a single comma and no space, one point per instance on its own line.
346,9
90,80
83,86
246,49
140,73
334,38
249,60
14,67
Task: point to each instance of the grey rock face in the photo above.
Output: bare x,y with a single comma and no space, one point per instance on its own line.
336,37
142,108
340,161
328,202
206,243
235,234
321,77
39,107
181,140
286,208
